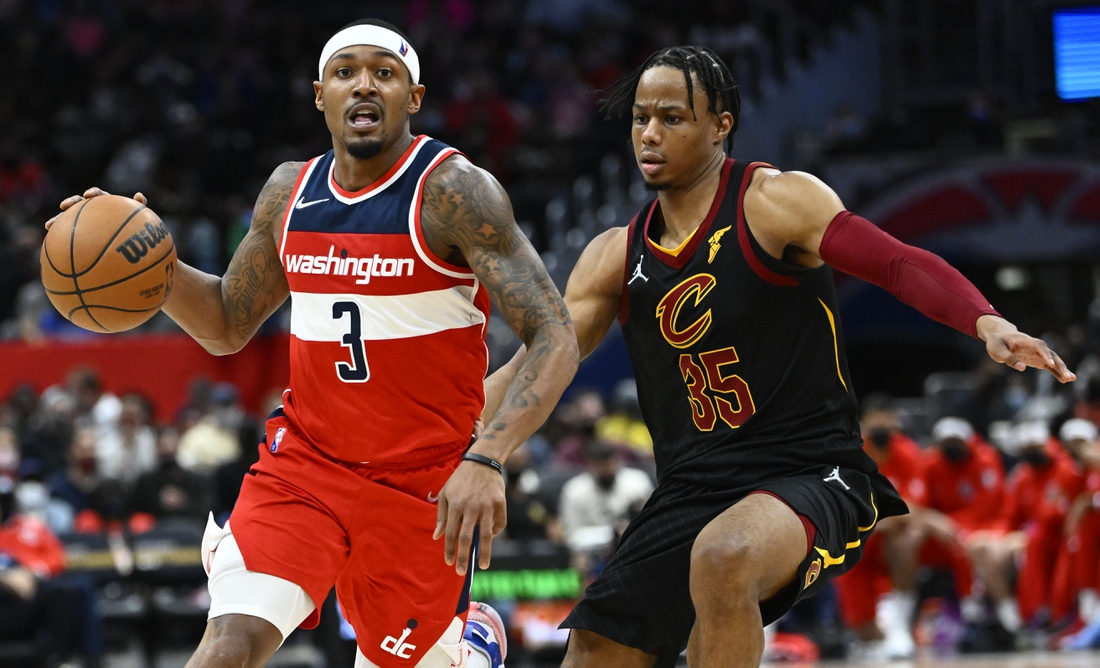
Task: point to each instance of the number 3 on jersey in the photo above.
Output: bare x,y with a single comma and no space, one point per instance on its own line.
357,371
709,376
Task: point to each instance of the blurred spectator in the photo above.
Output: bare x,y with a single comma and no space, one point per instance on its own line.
78,484
1082,529
129,449
595,503
170,491
882,585
207,445
1025,543
37,602
624,425
9,470
578,418
528,517
228,476
964,487
104,408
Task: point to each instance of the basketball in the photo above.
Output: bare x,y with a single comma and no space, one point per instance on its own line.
108,263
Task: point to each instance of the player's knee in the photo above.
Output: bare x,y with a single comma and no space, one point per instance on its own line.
723,566
237,641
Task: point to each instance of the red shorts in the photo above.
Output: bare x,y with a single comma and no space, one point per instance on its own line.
316,522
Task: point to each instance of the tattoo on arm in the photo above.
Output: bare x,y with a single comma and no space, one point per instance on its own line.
465,210
255,285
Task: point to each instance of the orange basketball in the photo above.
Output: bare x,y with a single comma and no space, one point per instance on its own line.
108,263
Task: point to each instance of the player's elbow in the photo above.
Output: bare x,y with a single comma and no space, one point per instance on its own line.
564,342
222,346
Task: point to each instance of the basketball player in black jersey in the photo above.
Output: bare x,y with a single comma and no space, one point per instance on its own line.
726,299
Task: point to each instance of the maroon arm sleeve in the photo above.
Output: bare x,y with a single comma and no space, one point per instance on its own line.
921,279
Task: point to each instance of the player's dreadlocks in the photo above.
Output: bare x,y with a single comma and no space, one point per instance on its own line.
718,83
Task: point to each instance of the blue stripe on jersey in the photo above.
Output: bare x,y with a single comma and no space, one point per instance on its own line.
386,212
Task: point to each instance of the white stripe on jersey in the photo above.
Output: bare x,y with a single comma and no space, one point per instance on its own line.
290,205
414,211
384,316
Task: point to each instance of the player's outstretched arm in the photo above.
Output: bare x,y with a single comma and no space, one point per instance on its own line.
796,217
466,216
223,313
593,297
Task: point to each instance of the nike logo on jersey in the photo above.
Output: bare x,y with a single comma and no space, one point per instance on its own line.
835,475
432,498
716,242
343,264
638,273
302,203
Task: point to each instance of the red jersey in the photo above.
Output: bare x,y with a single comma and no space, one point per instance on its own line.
31,543
387,349
903,467
971,492
1042,494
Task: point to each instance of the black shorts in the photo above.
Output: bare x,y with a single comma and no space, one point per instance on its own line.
642,599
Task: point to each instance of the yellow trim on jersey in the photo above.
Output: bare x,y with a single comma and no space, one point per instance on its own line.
830,560
836,347
676,251
853,545
874,521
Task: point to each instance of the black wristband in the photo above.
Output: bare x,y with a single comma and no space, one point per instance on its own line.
484,461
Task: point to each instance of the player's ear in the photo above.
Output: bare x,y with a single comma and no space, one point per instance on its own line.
722,127
318,101
416,96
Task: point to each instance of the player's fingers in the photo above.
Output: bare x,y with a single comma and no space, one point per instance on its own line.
465,540
141,198
440,515
999,350
485,547
94,192
1060,370
454,523
69,201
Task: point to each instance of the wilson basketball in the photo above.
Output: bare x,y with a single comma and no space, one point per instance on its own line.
108,263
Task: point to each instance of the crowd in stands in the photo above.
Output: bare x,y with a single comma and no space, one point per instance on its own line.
195,102
1002,547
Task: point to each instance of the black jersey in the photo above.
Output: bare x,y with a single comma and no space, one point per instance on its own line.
739,357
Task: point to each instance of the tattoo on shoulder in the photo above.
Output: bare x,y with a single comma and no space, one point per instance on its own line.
466,211
255,284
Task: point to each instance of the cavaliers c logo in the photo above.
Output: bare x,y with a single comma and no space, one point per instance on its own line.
668,311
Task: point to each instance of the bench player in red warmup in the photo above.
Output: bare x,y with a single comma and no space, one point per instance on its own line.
390,247
726,296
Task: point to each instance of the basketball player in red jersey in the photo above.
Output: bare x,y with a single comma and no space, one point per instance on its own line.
390,247
726,297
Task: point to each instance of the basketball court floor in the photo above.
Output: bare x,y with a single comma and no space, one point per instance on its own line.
1017,660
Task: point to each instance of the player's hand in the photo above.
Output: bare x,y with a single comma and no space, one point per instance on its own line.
88,194
1008,345
474,496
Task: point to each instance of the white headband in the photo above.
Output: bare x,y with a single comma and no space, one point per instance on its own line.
371,35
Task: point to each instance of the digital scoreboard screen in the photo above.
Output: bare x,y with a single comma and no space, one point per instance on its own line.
1077,52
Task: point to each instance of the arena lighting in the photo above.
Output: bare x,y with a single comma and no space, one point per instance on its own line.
1077,52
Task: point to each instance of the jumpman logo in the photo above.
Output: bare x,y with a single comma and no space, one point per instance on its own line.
638,273
835,475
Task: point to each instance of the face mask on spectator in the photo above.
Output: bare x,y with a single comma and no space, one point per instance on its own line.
1035,456
954,450
605,482
880,437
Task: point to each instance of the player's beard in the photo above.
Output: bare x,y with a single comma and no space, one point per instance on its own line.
656,187
364,148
